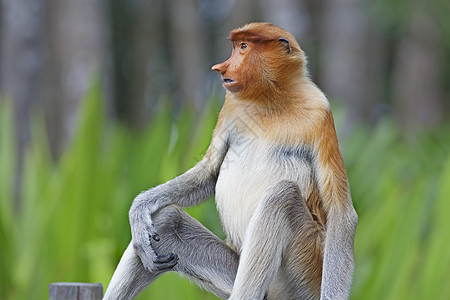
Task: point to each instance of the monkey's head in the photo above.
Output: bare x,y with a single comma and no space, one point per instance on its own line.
266,61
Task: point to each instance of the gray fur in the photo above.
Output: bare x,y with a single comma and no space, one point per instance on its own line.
203,257
265,263
280,214
338,255
190,188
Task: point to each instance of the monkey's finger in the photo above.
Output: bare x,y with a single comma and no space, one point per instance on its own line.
165,261
165,258
151,229
145,257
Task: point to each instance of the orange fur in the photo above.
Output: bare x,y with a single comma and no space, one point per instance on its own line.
279,182
269,90
278,101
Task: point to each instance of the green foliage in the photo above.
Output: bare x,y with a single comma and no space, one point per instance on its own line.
401,189
71,223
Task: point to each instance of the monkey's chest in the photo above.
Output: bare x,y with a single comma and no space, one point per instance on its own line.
247,172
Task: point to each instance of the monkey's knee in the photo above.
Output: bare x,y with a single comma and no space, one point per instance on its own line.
174,223
283,194
284,200
286,187
167,218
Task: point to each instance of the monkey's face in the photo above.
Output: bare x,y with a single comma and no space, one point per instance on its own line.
232,70
254,68
265,62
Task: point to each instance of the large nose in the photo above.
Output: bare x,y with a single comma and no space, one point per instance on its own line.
220,68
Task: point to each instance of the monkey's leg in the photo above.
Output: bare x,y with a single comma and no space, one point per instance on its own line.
202,257
129,278
282,242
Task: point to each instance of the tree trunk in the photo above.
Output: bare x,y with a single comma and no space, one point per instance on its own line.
188,52
348,51
22,60
149,67
21,67
417,93
288,14
79,52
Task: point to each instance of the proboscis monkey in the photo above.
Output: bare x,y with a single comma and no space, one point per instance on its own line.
280,185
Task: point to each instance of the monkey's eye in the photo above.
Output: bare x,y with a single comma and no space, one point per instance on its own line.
243,46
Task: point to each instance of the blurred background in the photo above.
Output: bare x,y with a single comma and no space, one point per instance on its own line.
100,100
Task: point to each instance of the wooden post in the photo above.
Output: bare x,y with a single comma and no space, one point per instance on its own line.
75,291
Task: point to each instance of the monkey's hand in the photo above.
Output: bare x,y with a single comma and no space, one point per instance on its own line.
144,234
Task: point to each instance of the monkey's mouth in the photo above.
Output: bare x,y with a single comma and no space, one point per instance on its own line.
230,84
227,80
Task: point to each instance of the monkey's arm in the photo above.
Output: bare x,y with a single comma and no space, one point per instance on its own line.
188,189
341,217
338,253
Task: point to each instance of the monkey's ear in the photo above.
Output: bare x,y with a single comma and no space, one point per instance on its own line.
285,42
